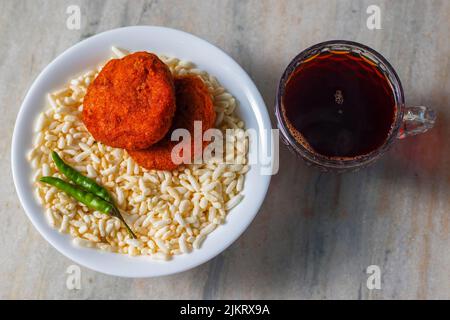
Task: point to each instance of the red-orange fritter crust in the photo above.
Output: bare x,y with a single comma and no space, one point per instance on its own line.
131,103
194,103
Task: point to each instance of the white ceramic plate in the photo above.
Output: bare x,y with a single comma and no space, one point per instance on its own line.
89,54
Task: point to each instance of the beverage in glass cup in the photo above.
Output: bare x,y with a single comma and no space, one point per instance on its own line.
340,106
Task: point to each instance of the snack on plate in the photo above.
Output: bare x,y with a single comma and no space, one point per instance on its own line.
170,212
194,103
131,102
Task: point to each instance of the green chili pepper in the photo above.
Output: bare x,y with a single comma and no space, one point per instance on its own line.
89,199
86,183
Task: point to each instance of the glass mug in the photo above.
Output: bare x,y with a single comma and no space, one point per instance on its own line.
407,121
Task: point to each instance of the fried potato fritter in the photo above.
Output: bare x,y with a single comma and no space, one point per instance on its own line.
131,103
194,103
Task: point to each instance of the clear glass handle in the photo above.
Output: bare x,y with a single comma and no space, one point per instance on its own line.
417,120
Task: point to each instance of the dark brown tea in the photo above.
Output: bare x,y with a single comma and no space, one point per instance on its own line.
339,104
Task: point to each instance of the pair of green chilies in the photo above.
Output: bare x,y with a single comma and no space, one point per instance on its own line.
84,190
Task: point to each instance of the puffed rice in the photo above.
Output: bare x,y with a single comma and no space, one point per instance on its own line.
171,212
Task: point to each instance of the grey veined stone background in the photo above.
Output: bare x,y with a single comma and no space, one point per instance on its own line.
316,233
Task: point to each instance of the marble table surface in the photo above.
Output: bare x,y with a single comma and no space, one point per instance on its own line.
316,233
